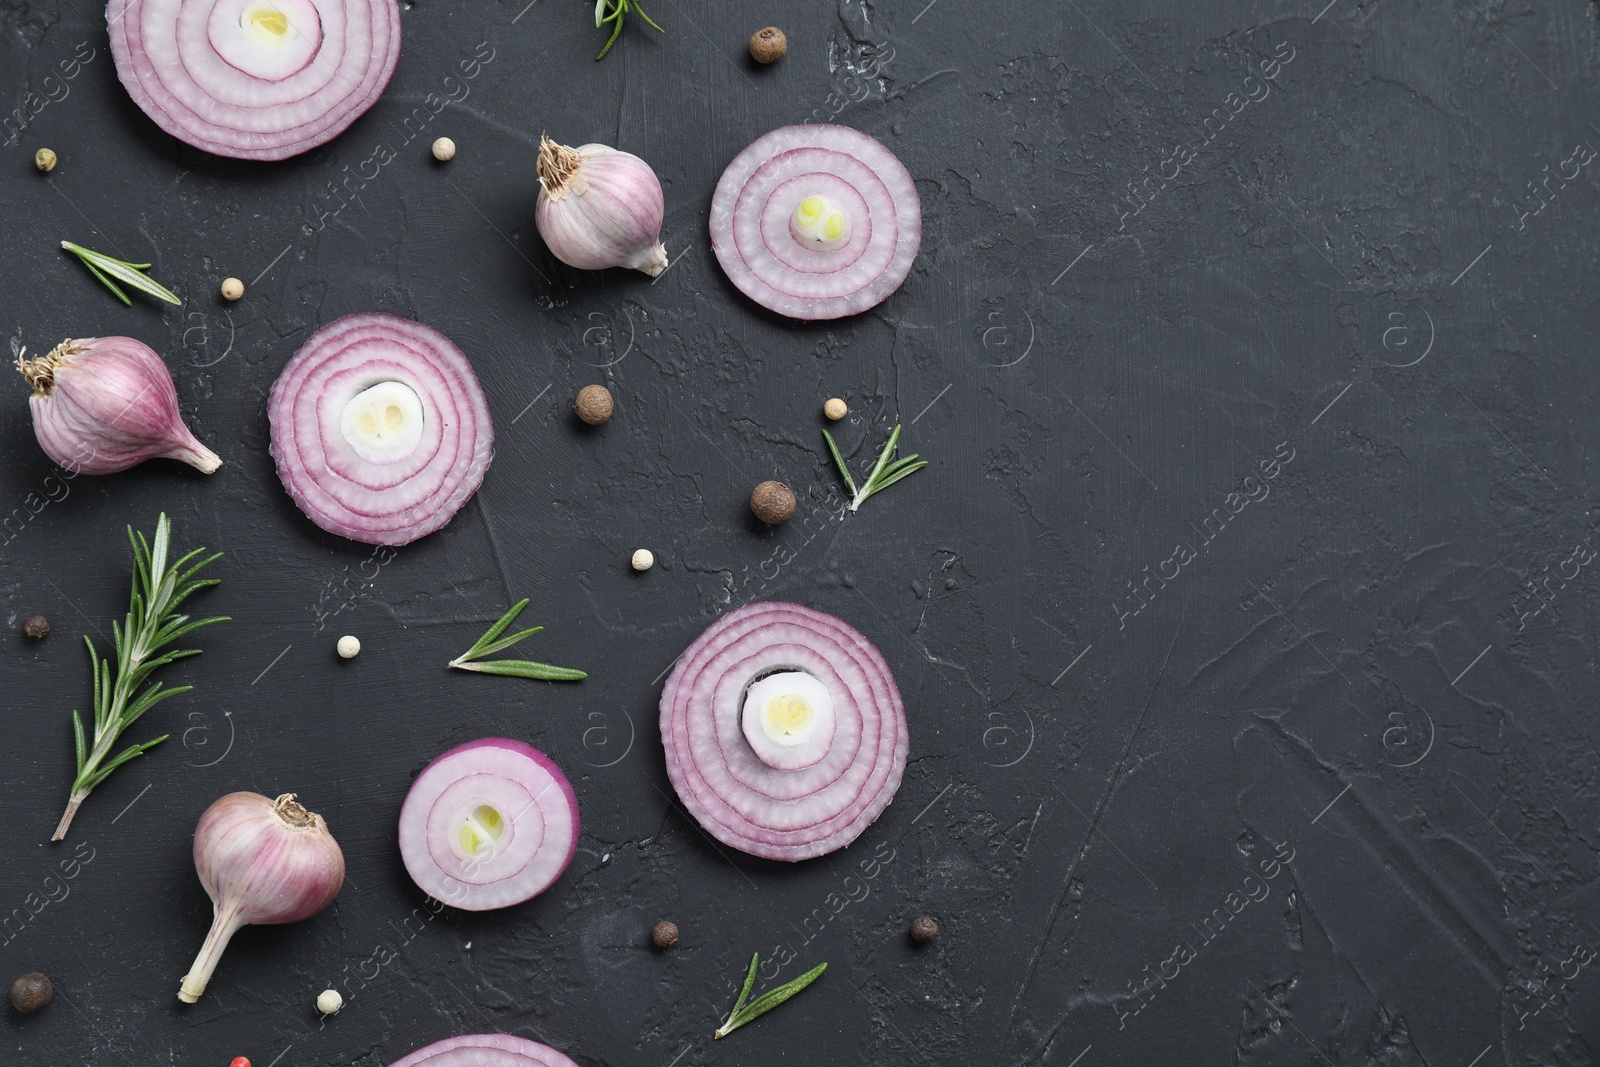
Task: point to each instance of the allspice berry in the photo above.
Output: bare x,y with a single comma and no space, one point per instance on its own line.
768,45
664,934
36,627
593,404
45,160
31,992
924,929
773,503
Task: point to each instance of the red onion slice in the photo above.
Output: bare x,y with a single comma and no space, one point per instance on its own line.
380,429
818,770
770,205
485,1050
254,79
489,824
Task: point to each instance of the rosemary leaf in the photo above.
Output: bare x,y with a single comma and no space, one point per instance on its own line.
647,18
885,482
116,290
523,668
743,1013
883,457
749,981
500,627
619,11
151,624
849,482
899,464
504,642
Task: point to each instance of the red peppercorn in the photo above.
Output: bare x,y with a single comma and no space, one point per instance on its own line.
239,1061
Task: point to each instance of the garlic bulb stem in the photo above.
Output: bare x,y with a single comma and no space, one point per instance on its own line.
225,923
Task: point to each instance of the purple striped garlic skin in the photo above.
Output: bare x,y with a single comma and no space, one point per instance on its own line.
103,404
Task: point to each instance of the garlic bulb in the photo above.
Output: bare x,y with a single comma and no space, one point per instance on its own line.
599,208
263,862
103,404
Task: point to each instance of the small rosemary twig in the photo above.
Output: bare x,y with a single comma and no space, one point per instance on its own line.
884,474
743,1013
105,268
491,642
619,10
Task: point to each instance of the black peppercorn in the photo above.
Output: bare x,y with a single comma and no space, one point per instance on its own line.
924,929
36,627
31,992
664,934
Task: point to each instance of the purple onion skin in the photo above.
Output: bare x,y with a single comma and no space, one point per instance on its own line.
489,1050
103,404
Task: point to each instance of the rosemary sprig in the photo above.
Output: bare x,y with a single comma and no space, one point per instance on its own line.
884,474
618,12
152,623
105,268
491,642
743,1013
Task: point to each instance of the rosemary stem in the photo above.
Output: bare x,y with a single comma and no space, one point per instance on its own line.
73,804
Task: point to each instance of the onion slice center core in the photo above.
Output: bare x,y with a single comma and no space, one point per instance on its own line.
384,422
819,224
788,719
480,829
266,39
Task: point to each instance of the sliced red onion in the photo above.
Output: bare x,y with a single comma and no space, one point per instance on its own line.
489,824
380,429
816,221
784,731
254,79
485,1050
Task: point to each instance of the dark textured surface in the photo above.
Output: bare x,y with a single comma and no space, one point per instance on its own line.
1376,657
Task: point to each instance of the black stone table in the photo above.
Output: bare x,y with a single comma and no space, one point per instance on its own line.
1245,614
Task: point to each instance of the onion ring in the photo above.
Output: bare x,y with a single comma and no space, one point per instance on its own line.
489,824
772,794
254,79
771,215
380,429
